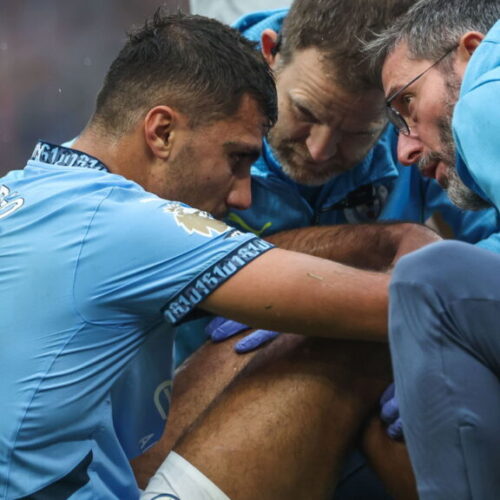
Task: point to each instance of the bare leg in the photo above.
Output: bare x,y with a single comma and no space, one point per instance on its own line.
390,460
198,381
209,371
282,428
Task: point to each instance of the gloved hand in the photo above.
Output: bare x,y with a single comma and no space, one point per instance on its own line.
390,413
221,329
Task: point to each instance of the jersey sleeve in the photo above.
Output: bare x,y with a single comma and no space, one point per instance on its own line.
144,258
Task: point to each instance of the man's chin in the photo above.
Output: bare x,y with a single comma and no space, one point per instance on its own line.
441,175
308,176
306,179
462,196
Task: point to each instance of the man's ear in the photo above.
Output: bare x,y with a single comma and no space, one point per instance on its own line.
469,42
159,126
268,43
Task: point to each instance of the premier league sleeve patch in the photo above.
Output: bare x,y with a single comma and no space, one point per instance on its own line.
196,221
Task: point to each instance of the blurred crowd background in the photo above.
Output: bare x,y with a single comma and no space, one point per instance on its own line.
53,57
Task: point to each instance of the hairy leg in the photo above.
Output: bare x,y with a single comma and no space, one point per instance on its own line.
198,381
282,428
209,371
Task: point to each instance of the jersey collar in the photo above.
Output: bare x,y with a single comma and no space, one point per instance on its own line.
60,156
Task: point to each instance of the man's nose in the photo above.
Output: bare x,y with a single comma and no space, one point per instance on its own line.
240,196
409,149
322,142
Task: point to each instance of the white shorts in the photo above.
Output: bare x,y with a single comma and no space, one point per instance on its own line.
177,479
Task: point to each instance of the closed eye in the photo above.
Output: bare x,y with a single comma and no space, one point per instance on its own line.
242,160
241,155
363,133
305,114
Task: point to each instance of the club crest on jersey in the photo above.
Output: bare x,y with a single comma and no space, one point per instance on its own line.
9,202
196,221
369,208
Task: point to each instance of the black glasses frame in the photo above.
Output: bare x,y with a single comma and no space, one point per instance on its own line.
393,114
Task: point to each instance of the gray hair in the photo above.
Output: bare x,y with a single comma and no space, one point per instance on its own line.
430,28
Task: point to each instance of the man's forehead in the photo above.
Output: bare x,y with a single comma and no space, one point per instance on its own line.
308,64
249,114
399,68
315,79
242,131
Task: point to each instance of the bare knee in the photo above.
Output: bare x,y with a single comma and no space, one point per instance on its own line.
358,370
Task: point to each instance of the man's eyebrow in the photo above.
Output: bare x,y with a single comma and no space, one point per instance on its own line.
242,148
362,132
393,91
306,107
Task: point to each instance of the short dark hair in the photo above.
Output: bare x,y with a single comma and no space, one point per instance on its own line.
339,29
195,64
433,27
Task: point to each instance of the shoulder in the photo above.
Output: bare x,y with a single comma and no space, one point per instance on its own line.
129,217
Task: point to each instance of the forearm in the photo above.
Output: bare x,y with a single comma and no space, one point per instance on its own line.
369,246
292,292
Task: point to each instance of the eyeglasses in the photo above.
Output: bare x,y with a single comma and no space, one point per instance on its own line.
393,114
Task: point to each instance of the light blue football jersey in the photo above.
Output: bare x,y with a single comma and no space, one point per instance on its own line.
94,270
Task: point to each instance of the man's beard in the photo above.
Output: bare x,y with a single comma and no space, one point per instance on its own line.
293,159
460,195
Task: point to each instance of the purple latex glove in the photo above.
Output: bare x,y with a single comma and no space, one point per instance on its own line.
389,413
220,329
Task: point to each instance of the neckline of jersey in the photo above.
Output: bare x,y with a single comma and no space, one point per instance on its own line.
61,156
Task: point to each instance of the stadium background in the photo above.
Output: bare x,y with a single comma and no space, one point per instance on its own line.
53,56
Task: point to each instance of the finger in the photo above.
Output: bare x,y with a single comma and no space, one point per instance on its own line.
387,394
395,430
254,340
214,324
390,411
224,329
